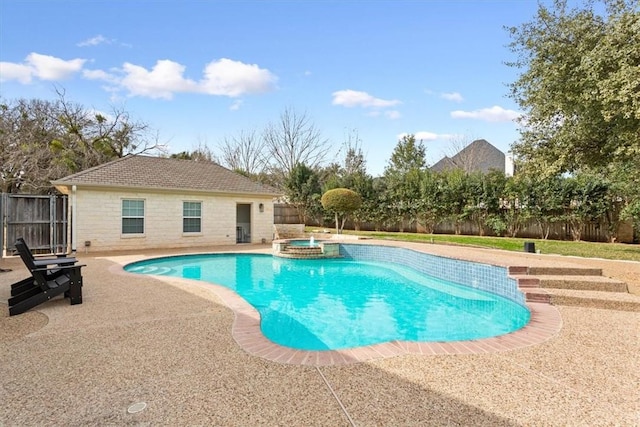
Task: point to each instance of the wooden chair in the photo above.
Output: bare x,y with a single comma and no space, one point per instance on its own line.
50,277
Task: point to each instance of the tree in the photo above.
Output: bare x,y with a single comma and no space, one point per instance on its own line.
512,204
89,138
543,200
407,155
27,163
483,206
41,141
430,210
580,86
352,174
403,178
341,201
200,153
293,140
588,201
455,196
244,153
302,189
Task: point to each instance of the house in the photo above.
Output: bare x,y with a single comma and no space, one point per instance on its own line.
480,156
141,202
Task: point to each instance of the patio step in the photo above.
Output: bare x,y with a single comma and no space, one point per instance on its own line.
580,283
555,271
583,283
584,287
622,301
537,295
565,271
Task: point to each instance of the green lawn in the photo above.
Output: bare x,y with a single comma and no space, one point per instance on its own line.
582,249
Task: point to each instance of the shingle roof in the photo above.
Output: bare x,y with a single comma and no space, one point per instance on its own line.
480,155
145,172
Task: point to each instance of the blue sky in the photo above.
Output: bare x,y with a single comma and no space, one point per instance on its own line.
200,71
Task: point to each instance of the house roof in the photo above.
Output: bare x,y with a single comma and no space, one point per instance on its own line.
145,172
443,164
480,155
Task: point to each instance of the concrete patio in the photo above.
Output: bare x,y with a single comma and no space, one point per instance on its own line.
169,344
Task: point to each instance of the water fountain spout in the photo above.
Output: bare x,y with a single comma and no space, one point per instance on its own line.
312,242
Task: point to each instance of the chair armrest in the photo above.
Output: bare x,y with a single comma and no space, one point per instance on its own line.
54,261
61,267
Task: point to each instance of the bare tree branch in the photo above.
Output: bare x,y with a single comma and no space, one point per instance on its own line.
294,140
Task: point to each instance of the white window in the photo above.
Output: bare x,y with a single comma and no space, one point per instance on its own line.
132,216
191,217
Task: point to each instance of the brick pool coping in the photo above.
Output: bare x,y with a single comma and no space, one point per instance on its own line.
544,323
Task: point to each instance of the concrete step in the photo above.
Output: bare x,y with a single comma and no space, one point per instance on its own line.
582,283
564,271
536,295
622,301
583,287
526,281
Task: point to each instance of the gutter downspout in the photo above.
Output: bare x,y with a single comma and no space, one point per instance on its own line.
72,221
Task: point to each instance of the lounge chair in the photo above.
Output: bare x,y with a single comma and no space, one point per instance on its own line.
50,277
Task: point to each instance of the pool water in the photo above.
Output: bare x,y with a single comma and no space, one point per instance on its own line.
339,303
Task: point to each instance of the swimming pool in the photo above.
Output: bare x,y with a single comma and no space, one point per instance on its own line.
348,302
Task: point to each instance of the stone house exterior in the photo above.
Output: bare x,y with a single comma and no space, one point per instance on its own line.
141,202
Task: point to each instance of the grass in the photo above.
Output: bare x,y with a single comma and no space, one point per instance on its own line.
617,251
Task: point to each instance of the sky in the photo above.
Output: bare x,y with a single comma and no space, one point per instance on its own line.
198,72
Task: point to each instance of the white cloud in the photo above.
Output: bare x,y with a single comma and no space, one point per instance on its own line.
353,98
452,96
43,67
235,106
233,78
393,114
51,68
223,77
100,75
11,71
426,136
164,79
493,114
94,41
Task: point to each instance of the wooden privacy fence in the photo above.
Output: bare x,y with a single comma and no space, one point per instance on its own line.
592,232
40,220
285,214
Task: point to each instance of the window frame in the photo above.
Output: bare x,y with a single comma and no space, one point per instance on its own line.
192,217
124,217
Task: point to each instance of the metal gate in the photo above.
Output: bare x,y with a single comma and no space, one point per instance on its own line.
40,220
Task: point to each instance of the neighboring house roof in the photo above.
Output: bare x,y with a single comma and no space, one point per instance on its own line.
480,155
145,172
444,163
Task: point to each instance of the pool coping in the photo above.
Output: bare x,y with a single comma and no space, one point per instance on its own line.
544,323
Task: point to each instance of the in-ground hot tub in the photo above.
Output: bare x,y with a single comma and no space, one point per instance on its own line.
306,248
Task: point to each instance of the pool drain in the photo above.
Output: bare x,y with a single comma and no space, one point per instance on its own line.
136,407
